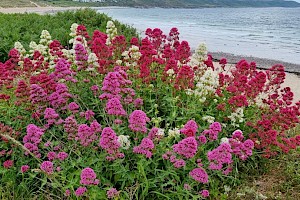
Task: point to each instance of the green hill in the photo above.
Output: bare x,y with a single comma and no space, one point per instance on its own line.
154,3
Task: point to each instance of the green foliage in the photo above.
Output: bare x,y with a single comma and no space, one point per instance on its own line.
27,27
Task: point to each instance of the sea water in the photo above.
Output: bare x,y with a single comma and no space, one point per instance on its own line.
272,33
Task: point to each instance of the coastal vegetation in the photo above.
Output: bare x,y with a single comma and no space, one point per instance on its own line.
104,114
27,27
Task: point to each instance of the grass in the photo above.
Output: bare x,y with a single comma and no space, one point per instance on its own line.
280,178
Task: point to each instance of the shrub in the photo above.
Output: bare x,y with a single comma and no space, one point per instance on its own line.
143,119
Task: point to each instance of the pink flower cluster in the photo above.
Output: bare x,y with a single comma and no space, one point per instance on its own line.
109,142
152,135
112,193
59,98
137,121
212,133
114,107
220,157
37,94
61,155
71,127
24,168
81,56
80,191
47,167
190,129
51,117
87,134
88,177
63,71
8,164
145,147
199,175
241,149
114,84
73,107
32,139
204,193
187,147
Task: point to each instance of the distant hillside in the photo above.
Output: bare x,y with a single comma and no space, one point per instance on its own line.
152,3
211,3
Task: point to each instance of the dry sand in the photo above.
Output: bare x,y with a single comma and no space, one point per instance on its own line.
292,79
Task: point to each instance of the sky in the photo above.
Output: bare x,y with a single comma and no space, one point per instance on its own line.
297,0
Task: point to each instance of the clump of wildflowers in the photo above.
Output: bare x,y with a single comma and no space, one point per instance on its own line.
204,193
51,117
24,168
241,149
199,175
8,164
88,177
124,141
137,121
190,129
109,142
220,157
47,167
145,147
37,94
112,193
114,107
173,132
71,127
32,139
80,191
88,134
214,129
187,147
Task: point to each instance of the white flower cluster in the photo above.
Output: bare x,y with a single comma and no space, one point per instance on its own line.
131,56
237,117
224,140
173,133
93,62
20,48
124,141
199,56
171,73
111,32
73,32
209,119
206,85
38,47
45,38
160,132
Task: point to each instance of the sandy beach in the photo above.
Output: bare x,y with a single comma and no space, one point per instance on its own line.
40,10
293,70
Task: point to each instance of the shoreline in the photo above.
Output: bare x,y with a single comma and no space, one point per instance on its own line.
262,63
